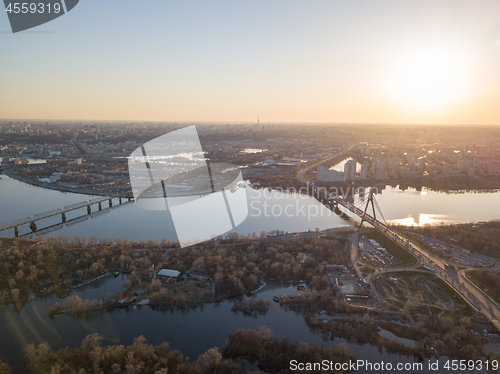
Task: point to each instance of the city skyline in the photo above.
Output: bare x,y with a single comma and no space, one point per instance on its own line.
322,62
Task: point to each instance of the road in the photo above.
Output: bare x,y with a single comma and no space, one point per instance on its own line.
353,238
301,174
457,280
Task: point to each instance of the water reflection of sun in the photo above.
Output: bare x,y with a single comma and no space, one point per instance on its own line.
423,219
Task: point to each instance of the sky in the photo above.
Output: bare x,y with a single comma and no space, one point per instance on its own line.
327,61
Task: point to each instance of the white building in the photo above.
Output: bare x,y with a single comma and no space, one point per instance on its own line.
326,175
364,170
350,170
365,150
168,273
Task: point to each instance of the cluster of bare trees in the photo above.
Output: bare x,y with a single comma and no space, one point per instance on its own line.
57,264
328,299
452,337
432,334
274,355
238,263
251,306
481,238
238,266
75,303
139,358
4,368
490,280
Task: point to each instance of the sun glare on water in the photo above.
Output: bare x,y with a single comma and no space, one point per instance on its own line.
430,79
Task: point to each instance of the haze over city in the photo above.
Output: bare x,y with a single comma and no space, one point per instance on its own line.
285,61
269,186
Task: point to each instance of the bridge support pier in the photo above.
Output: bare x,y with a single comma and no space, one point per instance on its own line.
100,206
33,226
63,216
16,231
89,210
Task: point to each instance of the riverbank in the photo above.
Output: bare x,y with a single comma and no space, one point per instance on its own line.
53,186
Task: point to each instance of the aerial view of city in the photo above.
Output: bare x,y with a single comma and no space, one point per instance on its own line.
259,187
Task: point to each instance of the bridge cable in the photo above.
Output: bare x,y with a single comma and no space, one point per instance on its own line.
379,210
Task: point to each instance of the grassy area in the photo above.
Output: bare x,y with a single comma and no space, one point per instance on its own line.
482,286
367,269
179,295
406,258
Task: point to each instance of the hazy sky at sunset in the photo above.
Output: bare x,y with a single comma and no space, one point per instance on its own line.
286,60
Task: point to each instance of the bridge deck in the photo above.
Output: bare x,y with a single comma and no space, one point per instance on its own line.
12,224
99,199
48,214
75,206
469,292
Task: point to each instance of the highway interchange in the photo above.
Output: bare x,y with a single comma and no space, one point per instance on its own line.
456,279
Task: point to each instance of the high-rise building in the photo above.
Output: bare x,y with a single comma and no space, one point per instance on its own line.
350,170
379,171
464,164
421,164
326,175
364,170
365,150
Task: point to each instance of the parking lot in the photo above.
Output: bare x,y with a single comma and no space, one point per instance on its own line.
372,253
457,254
348,283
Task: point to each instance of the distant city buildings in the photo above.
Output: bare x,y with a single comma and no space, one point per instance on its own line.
378,169
350,170
349,174
364,171
365,150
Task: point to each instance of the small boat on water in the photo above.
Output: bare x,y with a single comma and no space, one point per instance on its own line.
276,298
116,274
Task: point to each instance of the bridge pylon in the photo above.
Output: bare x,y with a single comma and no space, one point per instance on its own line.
370,200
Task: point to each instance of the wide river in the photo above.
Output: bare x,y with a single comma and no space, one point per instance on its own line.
267,210
195,331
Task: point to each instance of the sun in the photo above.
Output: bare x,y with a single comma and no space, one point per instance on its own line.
426,80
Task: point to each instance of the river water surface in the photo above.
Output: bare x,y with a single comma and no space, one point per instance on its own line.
194,331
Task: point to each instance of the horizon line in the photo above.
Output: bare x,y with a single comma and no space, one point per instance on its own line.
260,123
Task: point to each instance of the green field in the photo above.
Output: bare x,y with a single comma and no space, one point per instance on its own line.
406,258
477,282
367,269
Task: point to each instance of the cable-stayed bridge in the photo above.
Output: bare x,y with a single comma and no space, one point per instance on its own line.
474,296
